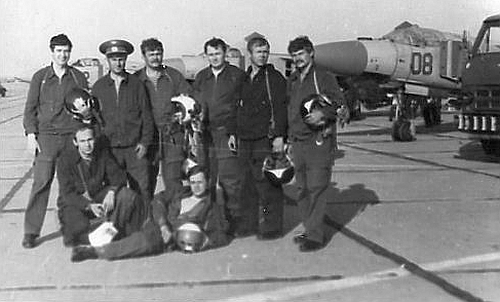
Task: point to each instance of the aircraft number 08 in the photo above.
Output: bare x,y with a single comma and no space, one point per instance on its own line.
421,63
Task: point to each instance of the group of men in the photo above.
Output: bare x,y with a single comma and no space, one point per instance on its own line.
108,171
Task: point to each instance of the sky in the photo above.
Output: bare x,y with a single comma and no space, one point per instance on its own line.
184,25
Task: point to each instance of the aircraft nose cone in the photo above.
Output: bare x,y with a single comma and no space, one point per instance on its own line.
346,57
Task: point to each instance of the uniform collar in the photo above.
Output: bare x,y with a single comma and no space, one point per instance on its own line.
209,73
296,74
52,73
143,75
111,81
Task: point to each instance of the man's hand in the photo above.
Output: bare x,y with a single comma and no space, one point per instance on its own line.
109,202
315,117
165,234
97,209
32,144
278,144
231,143
140,150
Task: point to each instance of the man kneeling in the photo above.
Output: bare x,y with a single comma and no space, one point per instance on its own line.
184,219
92,185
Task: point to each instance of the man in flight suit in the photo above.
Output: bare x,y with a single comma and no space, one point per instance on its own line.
49,129
313,158
127,116
218,90
94,186
262,116
162,83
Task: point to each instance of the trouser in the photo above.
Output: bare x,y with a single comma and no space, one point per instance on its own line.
264,211
127,216
313,168
51,148
137,171
170,158
146,241
224,170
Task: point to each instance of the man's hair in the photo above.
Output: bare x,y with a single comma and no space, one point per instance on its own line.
151,44
215,43
82,127
299,43
195,170
59,40
257,42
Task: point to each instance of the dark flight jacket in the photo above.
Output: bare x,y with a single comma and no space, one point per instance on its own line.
44,111
254,110
219,96
170,83
127,116
297,91
102,173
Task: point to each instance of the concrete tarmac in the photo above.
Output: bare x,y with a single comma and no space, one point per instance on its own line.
410,221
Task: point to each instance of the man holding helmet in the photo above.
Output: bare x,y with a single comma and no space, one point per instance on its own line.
48,128
312,137
183,219
261,130
162,84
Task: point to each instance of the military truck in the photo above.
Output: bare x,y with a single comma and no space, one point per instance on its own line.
480,112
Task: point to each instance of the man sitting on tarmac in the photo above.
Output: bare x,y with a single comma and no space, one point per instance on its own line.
92,185
182,219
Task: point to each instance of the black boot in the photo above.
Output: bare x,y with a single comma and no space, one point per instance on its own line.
83,252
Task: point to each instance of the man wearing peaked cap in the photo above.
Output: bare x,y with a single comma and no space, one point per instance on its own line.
126,112
116,47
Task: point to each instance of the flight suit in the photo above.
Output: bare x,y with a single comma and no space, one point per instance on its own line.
46,117
219,96
313,161
170,83
263,212
128,121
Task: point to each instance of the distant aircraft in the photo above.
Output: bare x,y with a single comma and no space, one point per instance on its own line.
426,62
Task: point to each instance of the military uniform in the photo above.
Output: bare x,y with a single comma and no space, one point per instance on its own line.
45,116
96,178
219,96
170,83
313,162
257,108
128,120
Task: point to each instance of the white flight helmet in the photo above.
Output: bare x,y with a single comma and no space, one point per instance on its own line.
183,108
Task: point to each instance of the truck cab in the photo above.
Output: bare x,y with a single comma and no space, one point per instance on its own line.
480,115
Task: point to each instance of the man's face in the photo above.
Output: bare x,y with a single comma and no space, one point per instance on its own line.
198,184
215,57
302,58
153,58
117,63
259,55
84,141
61,54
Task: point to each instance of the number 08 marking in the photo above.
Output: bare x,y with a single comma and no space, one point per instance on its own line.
421,64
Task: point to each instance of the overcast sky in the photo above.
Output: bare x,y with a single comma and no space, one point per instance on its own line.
184,25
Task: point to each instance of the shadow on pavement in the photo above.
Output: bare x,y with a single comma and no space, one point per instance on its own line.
441,128
345,205
473,151
342,208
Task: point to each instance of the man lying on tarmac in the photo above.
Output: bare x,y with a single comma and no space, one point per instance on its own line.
183,219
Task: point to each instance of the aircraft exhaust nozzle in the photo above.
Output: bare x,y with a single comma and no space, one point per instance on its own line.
346,57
